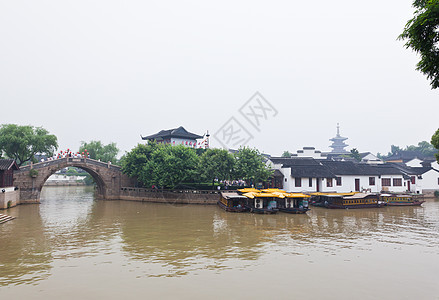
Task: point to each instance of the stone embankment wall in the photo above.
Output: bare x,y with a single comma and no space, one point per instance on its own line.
170,197
9,197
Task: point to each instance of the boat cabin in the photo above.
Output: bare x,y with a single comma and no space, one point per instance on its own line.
233,202
359,200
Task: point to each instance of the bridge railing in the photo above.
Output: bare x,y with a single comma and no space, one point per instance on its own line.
87,161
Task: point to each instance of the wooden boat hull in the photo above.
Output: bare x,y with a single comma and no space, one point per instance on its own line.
294,210
414,203
233,209
264,211
355,206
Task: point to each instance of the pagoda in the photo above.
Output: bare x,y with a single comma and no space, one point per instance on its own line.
338,143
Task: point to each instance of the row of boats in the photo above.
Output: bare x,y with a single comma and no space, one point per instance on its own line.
271,201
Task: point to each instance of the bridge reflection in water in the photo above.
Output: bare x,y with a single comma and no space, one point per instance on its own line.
70,233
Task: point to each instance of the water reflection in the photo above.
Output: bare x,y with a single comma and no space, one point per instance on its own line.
25,254
172,241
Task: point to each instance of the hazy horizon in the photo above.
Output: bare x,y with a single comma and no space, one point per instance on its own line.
112,71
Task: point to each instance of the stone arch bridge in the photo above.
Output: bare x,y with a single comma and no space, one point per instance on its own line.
109,178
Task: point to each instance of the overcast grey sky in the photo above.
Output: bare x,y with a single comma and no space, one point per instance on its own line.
115,70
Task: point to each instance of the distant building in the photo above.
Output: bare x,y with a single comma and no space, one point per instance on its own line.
179,136
370,158
404,156
338,143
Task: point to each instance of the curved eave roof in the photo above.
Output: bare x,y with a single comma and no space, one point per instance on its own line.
179,132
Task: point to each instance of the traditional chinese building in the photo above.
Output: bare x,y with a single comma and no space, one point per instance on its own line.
179,136
7,167
338,143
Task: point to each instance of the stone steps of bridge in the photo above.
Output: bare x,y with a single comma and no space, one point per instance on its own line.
5,218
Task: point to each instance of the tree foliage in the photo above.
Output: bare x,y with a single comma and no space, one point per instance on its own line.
355,154
250,165
422,36
134,163
161,165
171,166
435,142
99,151
424,148
216,164
286,154
23,142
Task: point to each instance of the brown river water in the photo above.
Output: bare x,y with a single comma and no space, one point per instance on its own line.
74,247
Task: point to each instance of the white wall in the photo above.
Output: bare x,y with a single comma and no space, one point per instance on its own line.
429,181
414,163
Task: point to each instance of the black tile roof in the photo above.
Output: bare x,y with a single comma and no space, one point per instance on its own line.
311,171
352,168
277,173
411,170
309,167
406,156
304,167
6,164
179,132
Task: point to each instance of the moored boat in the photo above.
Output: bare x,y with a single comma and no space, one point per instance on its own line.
321,199
233,202
359,200
294,203
262,203
401,200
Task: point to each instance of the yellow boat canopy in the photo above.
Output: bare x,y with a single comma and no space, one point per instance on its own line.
273,190
249,190
253,195
297,195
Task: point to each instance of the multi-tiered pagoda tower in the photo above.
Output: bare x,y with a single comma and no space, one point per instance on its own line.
338,143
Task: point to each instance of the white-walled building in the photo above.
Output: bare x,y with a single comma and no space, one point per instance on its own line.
370,158
311,175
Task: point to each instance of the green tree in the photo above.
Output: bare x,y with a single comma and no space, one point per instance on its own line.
250,165
435,142
134,163
22,143
216,164
170,166
286,154
99,151
355,154
422,36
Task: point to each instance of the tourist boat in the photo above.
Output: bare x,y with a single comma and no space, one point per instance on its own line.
233,202
294,203
401,200
262,203
359,200
321,199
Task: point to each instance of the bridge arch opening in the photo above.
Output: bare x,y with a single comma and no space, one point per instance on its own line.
100,183
31,179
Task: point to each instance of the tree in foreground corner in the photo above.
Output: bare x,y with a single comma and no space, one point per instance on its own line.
435,142
22,143
422,35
